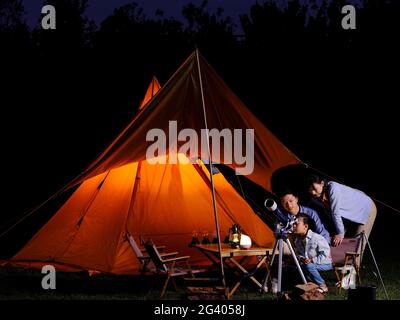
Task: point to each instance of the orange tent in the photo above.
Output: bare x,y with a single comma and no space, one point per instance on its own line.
151,91
120,193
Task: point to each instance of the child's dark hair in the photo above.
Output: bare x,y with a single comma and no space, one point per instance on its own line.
304,218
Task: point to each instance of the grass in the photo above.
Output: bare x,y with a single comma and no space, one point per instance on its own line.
22,284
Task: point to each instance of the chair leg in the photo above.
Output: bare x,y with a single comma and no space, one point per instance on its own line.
165,286
339,287
190,270
171,271
356,265
343,272
174,284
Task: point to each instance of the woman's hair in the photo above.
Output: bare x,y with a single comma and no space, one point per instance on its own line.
313,178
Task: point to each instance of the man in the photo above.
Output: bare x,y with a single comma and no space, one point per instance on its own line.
313,252
290,203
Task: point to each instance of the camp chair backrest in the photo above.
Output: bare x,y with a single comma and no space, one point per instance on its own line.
346,259
155,256
135,247
348,245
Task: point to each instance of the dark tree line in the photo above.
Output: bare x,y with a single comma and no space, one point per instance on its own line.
299,25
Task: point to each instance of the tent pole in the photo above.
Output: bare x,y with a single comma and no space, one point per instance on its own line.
211,171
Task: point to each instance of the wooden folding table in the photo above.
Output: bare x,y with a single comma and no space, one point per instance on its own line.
228,254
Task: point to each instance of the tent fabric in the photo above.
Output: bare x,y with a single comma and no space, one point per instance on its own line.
120,193
180,100
163,202
153,88
87,230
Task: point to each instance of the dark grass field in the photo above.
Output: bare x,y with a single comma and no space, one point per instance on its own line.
24,284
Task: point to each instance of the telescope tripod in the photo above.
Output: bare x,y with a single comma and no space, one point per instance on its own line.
279,245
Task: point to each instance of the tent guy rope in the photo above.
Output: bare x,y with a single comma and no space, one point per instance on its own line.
337,180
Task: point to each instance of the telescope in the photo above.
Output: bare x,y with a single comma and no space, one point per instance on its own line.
285,224
270,204
283,228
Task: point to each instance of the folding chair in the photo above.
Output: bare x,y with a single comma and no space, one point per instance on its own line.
169,267
143,257
346,256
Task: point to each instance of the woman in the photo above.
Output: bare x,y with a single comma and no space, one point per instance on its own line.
349,207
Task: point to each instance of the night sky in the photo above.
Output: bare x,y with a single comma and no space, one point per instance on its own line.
99,9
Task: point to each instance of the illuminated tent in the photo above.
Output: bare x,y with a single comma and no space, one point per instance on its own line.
120,192
153,88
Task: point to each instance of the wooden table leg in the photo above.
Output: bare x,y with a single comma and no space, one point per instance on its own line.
246,272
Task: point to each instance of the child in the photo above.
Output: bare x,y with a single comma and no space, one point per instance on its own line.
313,252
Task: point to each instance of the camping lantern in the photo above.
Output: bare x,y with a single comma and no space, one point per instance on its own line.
234,236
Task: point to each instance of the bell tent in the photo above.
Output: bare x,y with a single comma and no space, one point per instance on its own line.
122,193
